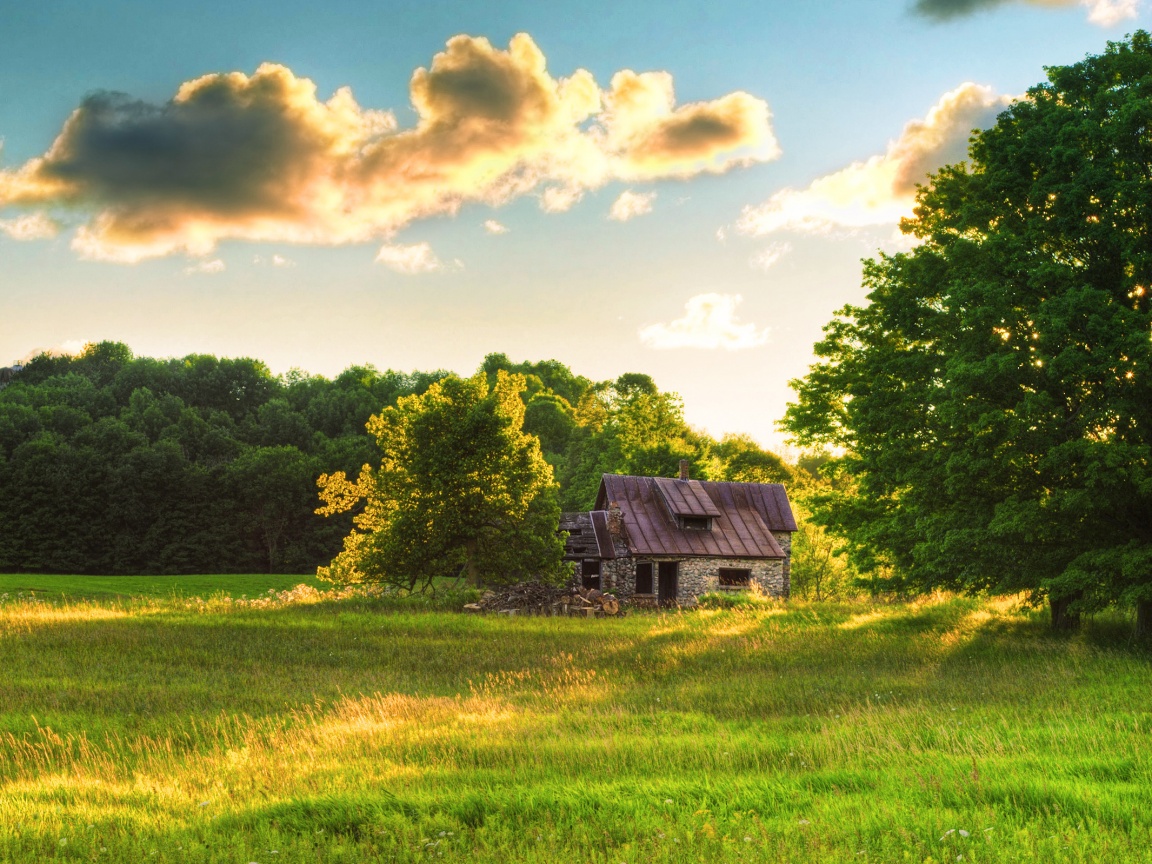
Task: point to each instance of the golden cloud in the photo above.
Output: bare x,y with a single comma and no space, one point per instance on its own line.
648,137
262,158
882,189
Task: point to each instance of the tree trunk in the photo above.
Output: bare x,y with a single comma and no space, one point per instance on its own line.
1144,620
1063,619
473,572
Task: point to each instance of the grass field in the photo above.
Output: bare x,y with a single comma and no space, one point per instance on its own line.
298,728
53,587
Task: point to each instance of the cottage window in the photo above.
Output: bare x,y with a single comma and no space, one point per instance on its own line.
590,573
733,578
644,577
696,523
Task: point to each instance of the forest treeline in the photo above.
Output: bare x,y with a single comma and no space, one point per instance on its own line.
111,463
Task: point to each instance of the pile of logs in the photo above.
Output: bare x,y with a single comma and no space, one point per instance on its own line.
532,598
525,598
589,602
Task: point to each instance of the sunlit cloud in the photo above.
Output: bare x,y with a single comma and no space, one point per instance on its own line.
31,226
410,259
68,348
494,227
209,267
882,189
631,204
1109,13
770,256
560,199
709,322
1105,13
261,157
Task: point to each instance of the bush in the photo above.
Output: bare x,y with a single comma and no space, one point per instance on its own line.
732,600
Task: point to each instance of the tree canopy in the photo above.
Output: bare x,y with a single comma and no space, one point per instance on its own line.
992,400
111,463
460,488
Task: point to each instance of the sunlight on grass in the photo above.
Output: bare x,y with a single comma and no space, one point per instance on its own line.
356,728
863,619
28,615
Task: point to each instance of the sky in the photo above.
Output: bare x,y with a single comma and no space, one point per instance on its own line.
681,189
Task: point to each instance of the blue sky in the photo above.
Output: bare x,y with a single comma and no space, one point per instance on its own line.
704,241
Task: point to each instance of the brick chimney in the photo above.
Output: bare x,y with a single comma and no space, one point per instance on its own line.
683,469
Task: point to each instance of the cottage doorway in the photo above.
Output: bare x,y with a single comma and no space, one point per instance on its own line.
667,582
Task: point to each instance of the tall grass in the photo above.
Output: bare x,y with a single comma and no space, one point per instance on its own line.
303,728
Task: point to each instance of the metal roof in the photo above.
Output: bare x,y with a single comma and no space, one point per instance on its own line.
686,497
745,515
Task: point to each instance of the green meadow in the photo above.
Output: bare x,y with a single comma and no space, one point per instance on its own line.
56,587
169,725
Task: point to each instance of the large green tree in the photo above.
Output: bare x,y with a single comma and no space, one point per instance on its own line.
461,489
993,400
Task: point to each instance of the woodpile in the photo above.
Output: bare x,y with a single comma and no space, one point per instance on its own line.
532,598
590,602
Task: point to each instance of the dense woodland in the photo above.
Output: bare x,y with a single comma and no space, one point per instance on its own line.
111,463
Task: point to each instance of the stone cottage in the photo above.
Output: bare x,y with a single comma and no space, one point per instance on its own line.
666,540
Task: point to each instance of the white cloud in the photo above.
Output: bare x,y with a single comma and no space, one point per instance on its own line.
560,199
494,227
1109,13
33,226
631,204
709,322
209,267
768,257
881,190
410,259
281,261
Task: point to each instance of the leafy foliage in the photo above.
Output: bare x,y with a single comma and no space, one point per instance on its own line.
993,400
116,464
111,463
460,488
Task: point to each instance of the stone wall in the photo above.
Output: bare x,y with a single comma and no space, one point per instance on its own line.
699,575
784,538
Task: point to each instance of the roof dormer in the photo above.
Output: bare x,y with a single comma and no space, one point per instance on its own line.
687,501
